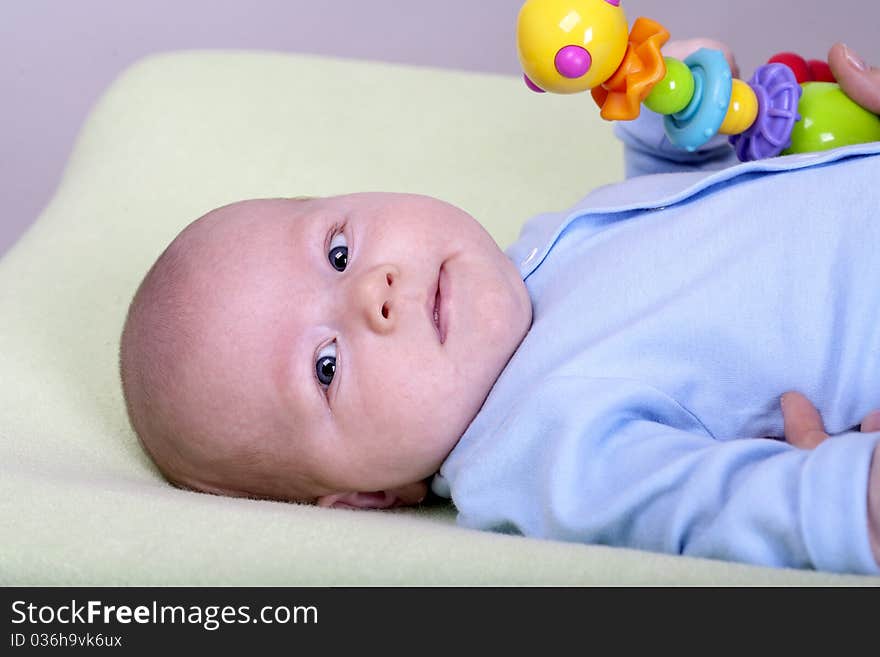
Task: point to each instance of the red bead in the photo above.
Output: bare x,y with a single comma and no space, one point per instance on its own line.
820,71
796,63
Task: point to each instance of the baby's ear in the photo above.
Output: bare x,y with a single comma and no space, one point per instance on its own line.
383,499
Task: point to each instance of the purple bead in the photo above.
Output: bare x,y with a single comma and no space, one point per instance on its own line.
616,3
531,85
778,94
573,61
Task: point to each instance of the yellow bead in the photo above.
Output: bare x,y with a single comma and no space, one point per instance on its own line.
545,27
743,109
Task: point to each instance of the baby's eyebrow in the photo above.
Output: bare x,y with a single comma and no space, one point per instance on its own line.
308,239
297,382
323,225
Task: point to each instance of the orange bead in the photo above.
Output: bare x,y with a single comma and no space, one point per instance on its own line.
643,66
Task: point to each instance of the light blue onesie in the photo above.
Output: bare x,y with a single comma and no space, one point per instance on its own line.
671,311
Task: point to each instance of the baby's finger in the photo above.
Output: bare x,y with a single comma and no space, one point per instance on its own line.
803,424
871,423
858,80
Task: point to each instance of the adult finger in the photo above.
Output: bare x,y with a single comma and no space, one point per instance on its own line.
803,424
858,80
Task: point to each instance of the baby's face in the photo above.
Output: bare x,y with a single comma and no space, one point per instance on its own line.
371,327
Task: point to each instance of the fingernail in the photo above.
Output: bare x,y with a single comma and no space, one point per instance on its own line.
854,60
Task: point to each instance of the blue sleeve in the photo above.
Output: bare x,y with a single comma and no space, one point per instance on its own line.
648,150
617,462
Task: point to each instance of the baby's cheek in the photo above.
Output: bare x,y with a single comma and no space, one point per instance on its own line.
503,311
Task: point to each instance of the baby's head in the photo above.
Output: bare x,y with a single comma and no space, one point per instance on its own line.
328,350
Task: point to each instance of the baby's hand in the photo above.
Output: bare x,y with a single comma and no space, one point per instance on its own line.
858,80
681,49
803,424
804,429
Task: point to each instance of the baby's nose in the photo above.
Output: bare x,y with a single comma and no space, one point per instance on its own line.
375,297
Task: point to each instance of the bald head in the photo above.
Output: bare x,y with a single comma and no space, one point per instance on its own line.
184,362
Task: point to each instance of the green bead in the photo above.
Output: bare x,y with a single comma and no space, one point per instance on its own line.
829,118
673,93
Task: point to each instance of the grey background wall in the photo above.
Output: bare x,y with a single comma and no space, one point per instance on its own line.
57,56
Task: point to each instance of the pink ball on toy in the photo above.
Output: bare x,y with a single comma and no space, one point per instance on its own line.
573,61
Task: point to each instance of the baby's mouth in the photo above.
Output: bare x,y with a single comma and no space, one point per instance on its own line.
437,309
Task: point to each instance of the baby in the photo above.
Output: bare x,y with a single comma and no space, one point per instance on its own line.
613,378
319,349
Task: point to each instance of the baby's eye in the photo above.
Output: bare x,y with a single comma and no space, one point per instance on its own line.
338,253
325,366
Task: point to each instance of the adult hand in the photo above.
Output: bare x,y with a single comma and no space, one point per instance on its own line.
803,424
683,48
858,80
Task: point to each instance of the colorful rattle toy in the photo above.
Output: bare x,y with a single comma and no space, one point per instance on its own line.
788,106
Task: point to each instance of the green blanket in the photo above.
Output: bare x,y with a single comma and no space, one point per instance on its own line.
179,134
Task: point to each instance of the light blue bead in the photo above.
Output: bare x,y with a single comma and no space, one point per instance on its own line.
700,120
